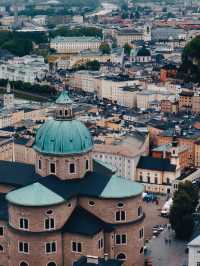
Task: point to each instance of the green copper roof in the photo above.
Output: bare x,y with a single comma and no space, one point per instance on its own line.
34,195
64,98
119,187
63,137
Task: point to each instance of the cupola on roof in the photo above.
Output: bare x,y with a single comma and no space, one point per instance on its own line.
63,136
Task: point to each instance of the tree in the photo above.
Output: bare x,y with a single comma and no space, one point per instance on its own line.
185,201
127,49
190,67
105,48
93,65
90,65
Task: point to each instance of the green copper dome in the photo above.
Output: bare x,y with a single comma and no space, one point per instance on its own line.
61,137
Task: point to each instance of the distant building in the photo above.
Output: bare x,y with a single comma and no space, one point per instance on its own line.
170,150
128,36
8,98
157,174
186,138
6,148
194,254
185,100
23,150
196,104
143,55
123,154
169,106
27,69
74,44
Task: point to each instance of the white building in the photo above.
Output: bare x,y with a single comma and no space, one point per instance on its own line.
194,252
123,154
74,44
27,69
145,98
8,98
40,20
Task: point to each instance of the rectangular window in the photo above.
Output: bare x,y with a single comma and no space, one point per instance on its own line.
198,263
141,233
72,168
23,247
120,216
49,223
39,164
76,247
23,223
120,239
87,164
52,168
1,231
50,247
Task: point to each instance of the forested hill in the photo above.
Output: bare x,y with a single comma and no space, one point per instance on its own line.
190,67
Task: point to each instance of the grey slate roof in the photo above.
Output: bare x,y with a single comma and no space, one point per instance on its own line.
85,223
155,164
17,174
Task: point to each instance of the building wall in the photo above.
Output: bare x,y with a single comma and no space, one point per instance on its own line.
37,216
123,39
197,155
66,46
62,165
89,246
4,258
6,151
194,255
37,254
24,154
196,104
185,102
105,209
156,181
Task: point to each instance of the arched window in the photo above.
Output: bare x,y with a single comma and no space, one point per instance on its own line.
23,263
121,256
51,263
1,248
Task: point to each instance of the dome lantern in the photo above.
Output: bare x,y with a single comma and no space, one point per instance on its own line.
64,107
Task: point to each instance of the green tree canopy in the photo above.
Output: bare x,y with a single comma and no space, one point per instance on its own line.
185,201
105,48
127,49
190,67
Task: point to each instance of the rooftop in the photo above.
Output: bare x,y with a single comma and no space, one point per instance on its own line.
155,164
34,195
85,223
75,39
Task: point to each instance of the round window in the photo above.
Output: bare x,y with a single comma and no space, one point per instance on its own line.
120,205
91,203
49,212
